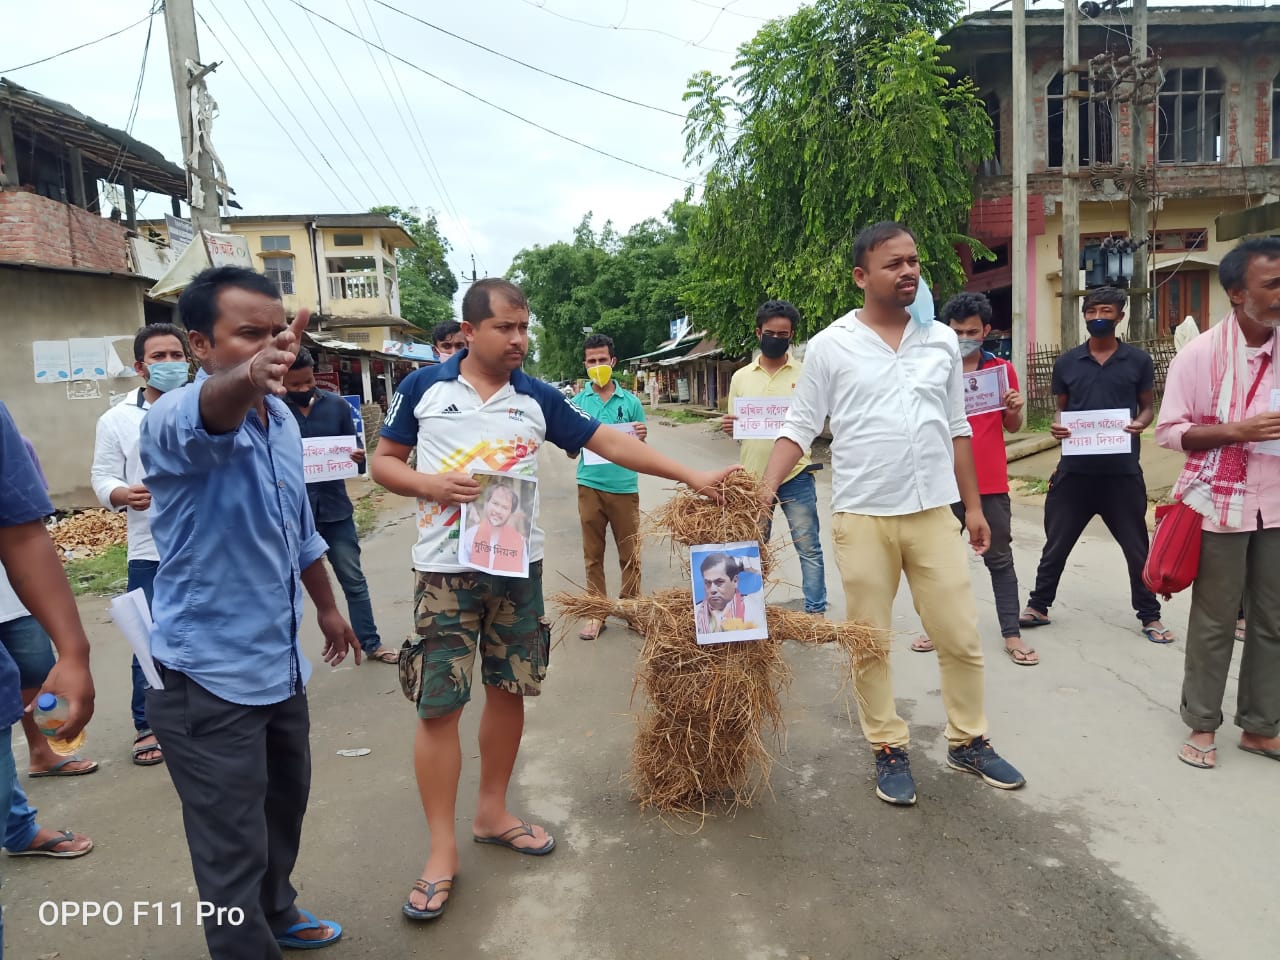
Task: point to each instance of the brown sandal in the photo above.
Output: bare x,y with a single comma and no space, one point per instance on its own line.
385,655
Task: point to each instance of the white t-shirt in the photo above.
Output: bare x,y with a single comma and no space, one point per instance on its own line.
435,410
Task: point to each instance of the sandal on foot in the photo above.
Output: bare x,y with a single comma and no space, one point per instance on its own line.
1158,635
289,941
1260,751
46,849
922,645
586,633
138,750
1202,763
431,888
1033,618
384,655
507,839
1023,657
59,769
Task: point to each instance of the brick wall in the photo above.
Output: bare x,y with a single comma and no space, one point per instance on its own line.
35,229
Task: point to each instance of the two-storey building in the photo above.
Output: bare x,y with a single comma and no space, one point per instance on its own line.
1213,147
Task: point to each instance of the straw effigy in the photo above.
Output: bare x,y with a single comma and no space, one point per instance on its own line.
711,711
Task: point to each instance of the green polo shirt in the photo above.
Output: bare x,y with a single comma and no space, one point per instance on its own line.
622,407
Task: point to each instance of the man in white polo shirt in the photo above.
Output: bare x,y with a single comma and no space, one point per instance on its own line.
900,456
160,359
479,411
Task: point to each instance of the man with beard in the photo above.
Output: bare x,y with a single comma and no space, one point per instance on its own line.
1217,407
494,542
320,413
1101,374
775,374
901,455
480,411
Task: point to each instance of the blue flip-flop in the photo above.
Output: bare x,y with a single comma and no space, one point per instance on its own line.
59,768
308,922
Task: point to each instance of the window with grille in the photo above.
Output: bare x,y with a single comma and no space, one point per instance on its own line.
358,336
1097,125
280,269
1189,121
1180,241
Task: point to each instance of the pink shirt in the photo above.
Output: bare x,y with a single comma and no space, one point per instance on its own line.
1188,400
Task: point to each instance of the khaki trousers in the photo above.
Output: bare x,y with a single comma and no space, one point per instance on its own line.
872,554
598,510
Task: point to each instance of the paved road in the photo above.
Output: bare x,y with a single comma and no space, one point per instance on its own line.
1114,850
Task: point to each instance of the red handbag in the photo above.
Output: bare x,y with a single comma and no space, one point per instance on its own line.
1174,558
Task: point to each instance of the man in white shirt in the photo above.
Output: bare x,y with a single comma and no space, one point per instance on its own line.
160,359
900,456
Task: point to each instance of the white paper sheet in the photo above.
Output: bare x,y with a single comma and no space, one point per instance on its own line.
131,615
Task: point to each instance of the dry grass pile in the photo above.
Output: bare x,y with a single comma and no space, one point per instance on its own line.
691,520
711,711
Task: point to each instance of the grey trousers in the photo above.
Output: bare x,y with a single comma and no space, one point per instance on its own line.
1230,562
243,775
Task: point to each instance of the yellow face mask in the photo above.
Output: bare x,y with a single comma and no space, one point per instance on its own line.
600,375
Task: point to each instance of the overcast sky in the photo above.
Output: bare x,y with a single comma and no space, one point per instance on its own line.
498,184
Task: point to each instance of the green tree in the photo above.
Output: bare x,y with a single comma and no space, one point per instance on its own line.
836,117
624,285
427,282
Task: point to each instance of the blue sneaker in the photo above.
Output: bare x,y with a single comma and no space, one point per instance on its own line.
893,777
979,757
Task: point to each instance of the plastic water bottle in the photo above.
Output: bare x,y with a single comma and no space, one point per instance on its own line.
50,713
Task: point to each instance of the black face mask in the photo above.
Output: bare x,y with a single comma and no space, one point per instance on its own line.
774,347
1100,328
300,398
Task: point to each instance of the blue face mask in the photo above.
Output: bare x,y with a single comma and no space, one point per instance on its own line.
922,309
168,375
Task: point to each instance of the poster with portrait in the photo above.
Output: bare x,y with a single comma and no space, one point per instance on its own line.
728,592
496,525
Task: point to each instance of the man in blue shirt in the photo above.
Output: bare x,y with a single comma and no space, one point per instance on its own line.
36,575
323,414
229,513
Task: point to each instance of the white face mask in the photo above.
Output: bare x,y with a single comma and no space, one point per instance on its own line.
969,347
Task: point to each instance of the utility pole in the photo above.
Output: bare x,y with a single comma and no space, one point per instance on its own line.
1070,318
1018,141
180,26
1141,289
473,277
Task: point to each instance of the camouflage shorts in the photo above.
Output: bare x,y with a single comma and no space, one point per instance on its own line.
456,613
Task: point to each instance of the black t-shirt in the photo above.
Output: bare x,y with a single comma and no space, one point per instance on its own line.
1115,384
330,416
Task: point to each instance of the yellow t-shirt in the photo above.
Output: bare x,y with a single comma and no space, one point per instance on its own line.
754,381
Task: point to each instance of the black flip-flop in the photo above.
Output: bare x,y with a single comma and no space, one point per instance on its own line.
430,888
1039,620
46,849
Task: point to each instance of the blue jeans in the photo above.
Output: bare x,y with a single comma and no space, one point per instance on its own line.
344,557
142,575
32,651
799,500
8,780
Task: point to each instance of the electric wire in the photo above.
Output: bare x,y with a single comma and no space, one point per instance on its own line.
117,164
609,26
333,107
307,96
81,46
271,113
501,109
444,186
529,66
288,109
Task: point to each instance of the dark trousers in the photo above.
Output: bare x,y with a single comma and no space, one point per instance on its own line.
142,576
243,775
344,557
999,559
1227,561
1073,500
